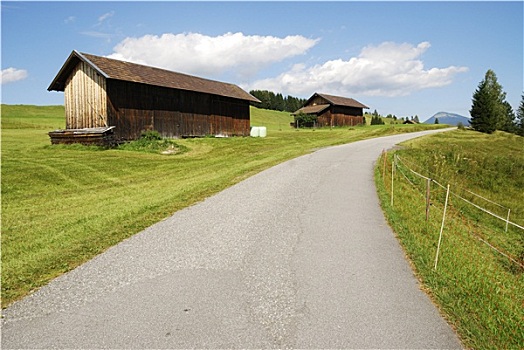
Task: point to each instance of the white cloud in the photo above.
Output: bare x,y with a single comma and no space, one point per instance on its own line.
200,54
96,34
105,16
69,19
389,69
11,75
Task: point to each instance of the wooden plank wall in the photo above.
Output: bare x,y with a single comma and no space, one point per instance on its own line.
347,116
85,98
339,119
134,107
338,115
345,110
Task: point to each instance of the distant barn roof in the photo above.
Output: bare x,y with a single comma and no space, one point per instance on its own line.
340,101
312,109
333,100
137,73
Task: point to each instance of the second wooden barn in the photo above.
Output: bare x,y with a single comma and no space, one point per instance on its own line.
102,92
334,110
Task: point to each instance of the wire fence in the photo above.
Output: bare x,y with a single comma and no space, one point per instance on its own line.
467,204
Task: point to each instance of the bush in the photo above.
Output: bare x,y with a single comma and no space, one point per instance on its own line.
150,135
376,120
150,141
305,120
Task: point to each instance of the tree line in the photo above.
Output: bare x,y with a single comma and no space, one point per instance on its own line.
490,111
277,102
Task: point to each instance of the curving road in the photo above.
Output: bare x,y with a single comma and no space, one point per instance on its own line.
298,256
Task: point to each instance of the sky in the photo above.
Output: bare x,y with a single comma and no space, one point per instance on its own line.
401,58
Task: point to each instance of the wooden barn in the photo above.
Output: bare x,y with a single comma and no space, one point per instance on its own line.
101,93
334,110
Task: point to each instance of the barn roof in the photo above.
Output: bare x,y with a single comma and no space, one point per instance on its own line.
339,100
137,73
332,100
312,109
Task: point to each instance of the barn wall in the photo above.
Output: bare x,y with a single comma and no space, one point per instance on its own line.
341,116
85,98
353,111
134,107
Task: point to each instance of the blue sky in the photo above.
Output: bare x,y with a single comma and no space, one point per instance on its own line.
403,58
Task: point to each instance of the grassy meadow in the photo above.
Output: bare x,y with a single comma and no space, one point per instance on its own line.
479,290
62,205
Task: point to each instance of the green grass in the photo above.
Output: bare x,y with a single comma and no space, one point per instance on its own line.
480,291
62,205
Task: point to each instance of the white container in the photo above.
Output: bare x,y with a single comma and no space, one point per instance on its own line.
258,131
255,132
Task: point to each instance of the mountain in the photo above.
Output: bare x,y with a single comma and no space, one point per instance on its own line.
448,118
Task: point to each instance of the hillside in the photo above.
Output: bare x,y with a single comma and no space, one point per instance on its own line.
273,120
448,118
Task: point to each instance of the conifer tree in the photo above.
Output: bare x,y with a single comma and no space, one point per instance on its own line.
488,111
520,117
508,124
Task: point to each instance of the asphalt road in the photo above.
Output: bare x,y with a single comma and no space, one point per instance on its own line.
298,256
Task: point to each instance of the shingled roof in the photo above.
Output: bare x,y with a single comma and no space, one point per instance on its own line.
312,109
340,101
333,100
137,73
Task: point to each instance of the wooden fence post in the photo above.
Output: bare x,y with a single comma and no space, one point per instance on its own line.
507,220
442,227
428,200
385,155
392,173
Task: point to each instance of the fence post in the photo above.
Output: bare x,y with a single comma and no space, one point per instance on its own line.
442,227
392,173
385,155
428,183
507,220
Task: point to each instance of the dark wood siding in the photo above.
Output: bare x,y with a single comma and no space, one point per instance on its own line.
135,107
344,110
334,110
341,116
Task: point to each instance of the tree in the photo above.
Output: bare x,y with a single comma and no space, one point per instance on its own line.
270,100
416,119
508,123
488,111
376,120
520,117
279,103
436,121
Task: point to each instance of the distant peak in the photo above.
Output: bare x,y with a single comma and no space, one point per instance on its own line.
448,118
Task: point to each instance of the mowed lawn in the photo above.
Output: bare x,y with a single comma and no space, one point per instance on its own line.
62,205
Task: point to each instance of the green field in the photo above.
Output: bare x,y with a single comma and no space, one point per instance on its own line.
62,205
479,290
